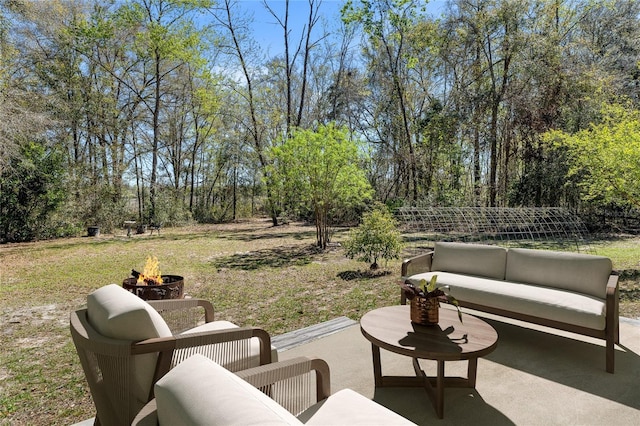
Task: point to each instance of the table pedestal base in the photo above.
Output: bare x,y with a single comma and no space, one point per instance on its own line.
433,385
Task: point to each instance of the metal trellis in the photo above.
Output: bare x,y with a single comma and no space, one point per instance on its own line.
536,227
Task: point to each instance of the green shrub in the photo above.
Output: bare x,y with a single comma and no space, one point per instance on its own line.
31,189
377,237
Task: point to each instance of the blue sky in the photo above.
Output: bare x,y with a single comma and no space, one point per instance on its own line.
269,34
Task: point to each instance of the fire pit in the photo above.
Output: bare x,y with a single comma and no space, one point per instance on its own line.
151,285
172,287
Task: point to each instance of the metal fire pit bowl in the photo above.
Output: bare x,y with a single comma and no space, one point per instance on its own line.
172,287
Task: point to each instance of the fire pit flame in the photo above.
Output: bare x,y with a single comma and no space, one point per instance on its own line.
150,274
151,285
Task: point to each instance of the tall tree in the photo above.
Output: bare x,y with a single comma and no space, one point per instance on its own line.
320,171
386,24
491,34
240,46
291,53
168,40
20,108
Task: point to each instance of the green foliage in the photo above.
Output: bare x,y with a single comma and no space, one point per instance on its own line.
377,237
543,180
172,211
102,207
31,188
320,171
451,108
605,158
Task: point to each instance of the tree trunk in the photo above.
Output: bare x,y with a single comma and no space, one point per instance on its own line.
156,137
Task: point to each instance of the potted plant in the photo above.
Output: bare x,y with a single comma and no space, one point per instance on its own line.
93,230
425,300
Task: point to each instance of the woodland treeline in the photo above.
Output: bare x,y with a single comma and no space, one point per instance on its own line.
167,111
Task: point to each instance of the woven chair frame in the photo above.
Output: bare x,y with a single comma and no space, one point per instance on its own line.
108,363
296,384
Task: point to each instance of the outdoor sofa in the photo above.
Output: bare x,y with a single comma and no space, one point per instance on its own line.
574,292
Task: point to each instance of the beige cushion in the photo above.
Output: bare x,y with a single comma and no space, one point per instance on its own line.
116,313
583,273
200,392
255,342
543,302
471,259
347,407
119,314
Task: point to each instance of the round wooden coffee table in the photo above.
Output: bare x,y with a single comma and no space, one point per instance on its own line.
390,328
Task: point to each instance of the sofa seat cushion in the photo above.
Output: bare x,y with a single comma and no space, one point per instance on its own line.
254,360
472,259
199,391
543,302
349,407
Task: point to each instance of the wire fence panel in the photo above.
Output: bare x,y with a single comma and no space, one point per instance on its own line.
536,227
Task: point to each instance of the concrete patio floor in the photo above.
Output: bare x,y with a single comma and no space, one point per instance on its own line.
536,376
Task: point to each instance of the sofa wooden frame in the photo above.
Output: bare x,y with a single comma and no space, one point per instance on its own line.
611,333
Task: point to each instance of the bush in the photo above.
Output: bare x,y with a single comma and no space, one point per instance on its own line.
377,237
31,189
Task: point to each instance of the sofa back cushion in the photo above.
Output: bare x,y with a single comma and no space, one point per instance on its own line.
200,392
582,273
119,314
470,259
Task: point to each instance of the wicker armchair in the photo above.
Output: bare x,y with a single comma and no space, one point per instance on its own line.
297,393
155,337
295,384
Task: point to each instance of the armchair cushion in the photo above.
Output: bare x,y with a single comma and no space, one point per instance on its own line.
117,313
186,395
341,408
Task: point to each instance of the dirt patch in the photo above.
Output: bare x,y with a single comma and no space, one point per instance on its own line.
36,316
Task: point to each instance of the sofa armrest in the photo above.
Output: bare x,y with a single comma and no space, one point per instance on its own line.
287,382
612,306
416,265
612,321
612,284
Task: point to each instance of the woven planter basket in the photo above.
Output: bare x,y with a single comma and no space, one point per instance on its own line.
424,311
